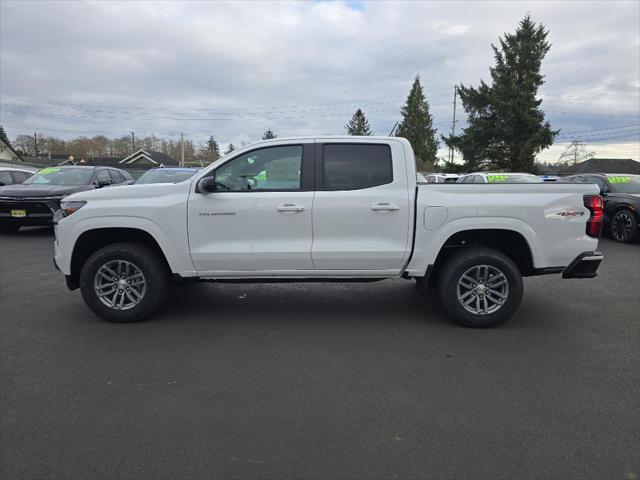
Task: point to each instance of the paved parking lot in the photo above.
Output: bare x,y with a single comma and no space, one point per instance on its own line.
318,380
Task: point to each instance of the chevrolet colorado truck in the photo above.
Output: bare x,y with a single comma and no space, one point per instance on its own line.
325,209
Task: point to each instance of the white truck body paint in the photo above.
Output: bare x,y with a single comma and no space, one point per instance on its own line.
340,234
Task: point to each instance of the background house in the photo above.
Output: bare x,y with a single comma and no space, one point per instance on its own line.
7,153
145,159
603,165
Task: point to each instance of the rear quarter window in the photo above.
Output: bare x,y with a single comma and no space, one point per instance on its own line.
356,166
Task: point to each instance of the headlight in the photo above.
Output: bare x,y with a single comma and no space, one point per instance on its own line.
71,207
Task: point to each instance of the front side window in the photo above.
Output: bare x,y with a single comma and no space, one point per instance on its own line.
356,166
272,168
20,176
103,177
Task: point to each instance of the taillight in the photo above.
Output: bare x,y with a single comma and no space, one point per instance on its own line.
596,220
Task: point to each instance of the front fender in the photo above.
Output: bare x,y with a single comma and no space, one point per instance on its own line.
173,244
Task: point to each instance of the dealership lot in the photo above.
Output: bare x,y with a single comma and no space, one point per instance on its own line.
318,380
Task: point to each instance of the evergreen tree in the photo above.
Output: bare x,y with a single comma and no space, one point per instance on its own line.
212,148
417,127
506,127
3,136
230,148
269,135
358,125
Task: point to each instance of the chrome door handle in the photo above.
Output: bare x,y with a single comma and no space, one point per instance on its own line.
289,207
384,207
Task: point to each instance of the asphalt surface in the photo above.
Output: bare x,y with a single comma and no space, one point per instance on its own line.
318,380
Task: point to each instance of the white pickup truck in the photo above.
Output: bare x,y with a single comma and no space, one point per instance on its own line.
325,209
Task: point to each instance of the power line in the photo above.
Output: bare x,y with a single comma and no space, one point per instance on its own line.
600,129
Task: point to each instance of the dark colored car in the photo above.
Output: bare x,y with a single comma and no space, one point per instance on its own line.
167,175
621,195
34,201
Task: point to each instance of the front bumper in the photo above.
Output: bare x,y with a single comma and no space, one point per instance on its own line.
39,212
584,265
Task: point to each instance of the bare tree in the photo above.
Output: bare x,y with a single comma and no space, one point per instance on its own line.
576,152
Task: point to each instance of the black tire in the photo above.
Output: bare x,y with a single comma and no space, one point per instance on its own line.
10,227
461,263
148,263
624,226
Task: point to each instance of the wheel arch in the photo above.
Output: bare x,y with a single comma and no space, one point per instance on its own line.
91,240
509,242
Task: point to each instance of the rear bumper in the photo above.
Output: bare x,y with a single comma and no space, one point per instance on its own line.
584,265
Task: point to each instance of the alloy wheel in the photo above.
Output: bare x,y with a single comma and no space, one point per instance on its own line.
482,289
621,226
119,284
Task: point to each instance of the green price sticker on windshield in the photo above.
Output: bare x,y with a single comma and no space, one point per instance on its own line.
497,178
47,170
619,179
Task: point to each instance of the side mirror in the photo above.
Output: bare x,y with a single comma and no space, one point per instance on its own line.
103,184
207,184
2,184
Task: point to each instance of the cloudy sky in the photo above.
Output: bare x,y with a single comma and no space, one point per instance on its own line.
232,70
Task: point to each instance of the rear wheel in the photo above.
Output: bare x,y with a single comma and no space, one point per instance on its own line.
9,227
624,226
124,282
480,287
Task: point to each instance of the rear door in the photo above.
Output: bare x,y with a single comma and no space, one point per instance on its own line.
361,210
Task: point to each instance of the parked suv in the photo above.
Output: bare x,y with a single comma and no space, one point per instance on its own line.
621,195
34,201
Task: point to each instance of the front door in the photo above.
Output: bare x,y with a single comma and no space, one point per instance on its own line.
259,219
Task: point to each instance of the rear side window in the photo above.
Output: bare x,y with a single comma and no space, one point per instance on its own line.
355,166
5,178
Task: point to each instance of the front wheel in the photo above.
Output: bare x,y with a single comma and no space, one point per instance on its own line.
624,226
480,287
123,282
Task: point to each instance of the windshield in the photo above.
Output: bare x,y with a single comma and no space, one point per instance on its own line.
165,176
624,183
513,178
61,176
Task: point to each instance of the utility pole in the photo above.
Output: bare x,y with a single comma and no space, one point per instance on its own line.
453,123
35,142
182,149
133,142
